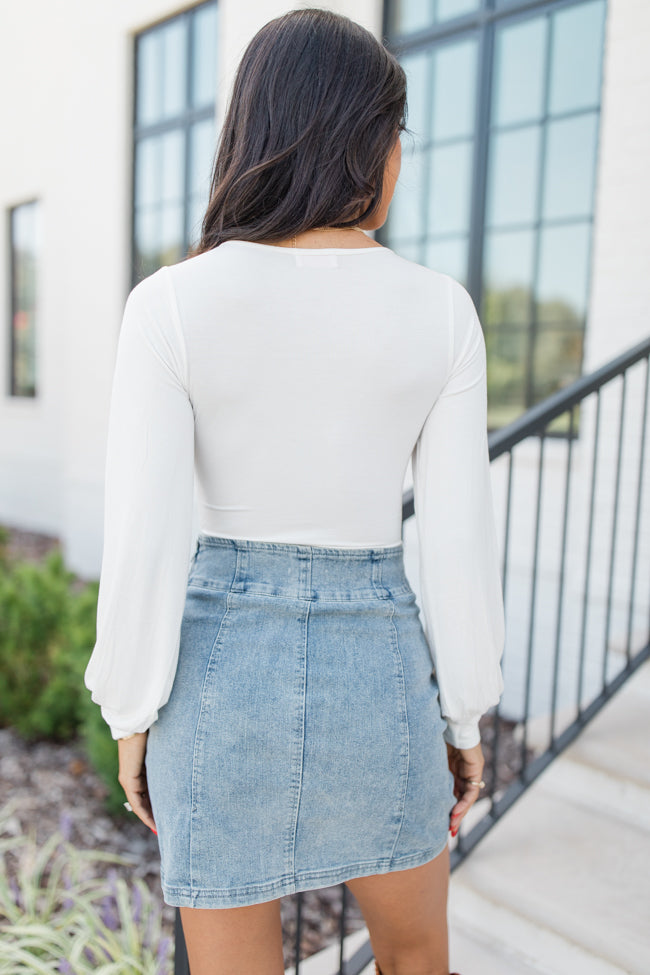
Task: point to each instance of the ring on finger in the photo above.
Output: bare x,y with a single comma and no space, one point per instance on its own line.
480,784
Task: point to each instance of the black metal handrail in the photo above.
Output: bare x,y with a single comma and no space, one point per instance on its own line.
497,730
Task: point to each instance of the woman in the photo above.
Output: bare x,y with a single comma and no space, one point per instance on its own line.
285,719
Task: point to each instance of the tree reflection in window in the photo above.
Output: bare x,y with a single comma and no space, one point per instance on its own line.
24,231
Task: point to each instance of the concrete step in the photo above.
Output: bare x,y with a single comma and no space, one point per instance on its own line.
326,962
563,880
489,939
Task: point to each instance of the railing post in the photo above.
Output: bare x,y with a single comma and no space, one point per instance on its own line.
181,962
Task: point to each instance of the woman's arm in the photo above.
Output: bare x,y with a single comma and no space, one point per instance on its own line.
149,493
460,583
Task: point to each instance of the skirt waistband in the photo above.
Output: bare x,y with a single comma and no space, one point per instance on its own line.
298,570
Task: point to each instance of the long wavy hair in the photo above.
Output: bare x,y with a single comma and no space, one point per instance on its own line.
316,105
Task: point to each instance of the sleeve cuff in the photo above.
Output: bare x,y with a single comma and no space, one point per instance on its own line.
462,734
120,732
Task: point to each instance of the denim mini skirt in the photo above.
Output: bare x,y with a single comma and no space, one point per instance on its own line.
302,742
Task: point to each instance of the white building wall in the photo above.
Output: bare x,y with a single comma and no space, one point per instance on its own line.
620,285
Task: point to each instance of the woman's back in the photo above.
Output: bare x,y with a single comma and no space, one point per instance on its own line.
311,373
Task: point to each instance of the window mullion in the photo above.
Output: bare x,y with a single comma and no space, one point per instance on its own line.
479,175
541,171
187,131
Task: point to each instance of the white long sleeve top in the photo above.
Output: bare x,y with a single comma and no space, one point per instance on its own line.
295,384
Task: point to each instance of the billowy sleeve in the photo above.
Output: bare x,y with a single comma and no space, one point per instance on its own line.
148,508
461,597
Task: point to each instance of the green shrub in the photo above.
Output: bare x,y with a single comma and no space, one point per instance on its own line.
37,666
47,632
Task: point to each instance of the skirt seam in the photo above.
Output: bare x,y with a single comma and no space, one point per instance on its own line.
198,737
406,723
302,746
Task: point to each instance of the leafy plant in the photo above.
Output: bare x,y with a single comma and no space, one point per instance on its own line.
45,632
58,916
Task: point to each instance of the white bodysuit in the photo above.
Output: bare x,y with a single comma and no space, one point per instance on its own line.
296,383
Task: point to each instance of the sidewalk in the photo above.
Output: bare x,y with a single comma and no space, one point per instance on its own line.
561,885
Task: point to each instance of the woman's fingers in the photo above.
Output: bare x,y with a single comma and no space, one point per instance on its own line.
467,768
138,796
133,777
464,804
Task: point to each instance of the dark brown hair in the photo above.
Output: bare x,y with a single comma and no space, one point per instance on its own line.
316,105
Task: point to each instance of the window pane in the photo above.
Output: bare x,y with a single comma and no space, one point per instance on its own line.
519,72
196,212
148,170
174,54
149,78
25,255
449,257
159,170
406,213
506,351
204,64
563,273
455,8
412,15
173,166
202,146
147,237
576,57
171,247
159,238
508,275
418,86
450,188
513,177
558,355
570,167
454,89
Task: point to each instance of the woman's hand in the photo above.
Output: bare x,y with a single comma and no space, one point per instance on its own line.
133,776
466,764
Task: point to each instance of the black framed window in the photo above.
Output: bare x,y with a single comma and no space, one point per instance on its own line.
497,186
174,135
24,255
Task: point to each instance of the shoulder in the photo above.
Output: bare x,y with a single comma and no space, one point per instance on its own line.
151,291
429,279
151,318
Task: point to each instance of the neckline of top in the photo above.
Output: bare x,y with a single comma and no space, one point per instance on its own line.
310,250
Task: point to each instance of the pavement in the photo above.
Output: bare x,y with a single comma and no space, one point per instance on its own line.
561,884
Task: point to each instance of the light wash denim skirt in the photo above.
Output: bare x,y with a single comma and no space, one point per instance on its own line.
302,742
